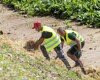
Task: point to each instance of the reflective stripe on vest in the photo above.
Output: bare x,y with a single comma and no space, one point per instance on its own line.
71,42
52,42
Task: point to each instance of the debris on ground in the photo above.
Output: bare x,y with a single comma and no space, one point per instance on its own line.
93,72
29,46
1,32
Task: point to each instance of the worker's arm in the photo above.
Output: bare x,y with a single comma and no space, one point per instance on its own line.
73,37
78,44
44,35
62,44
38,42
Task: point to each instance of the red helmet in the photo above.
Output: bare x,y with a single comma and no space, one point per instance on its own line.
36,24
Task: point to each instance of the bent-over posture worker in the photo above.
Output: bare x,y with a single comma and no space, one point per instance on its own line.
76,42
50,41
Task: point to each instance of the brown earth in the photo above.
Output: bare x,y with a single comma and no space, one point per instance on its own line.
18,29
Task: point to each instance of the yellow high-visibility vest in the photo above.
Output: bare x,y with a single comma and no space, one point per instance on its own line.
53,41
71,42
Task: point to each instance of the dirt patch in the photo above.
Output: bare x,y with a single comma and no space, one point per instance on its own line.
93,72
29,46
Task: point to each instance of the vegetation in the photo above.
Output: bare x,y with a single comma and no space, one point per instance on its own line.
16,65
85,11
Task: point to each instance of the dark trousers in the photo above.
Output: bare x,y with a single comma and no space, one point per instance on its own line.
60,55
74,50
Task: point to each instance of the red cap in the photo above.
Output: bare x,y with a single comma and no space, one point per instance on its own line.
36,24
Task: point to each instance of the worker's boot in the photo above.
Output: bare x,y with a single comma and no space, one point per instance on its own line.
44,52
66,63
81,66
78,55
83,70
60,55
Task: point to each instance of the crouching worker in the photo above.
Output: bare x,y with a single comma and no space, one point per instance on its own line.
50,41
76,41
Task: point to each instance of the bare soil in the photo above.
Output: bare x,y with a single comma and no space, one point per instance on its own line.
19,29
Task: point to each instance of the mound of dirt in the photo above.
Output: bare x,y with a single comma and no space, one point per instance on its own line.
91,70
1,32
29,46
94,72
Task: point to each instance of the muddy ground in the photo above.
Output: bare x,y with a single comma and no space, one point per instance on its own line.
19,29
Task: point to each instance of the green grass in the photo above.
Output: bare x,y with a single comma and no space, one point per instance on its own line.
85,11
17,65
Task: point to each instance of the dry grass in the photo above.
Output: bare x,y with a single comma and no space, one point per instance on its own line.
93,73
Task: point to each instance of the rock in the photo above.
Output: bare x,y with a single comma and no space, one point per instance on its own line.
25,16
1,32
23,34
8,33
90,48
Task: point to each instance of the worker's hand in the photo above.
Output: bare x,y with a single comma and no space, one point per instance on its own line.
79,51
37,43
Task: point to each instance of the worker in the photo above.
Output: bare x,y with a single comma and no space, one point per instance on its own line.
76,42
49,40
